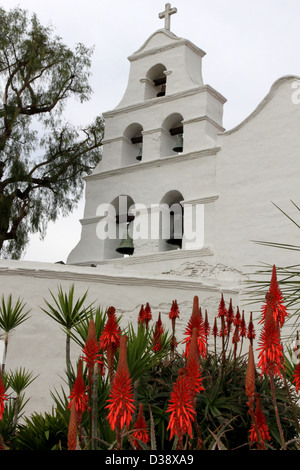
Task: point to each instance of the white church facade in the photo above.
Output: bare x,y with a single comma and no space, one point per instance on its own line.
192,196
222,185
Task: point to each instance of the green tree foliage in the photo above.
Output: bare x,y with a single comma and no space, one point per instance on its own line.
42,158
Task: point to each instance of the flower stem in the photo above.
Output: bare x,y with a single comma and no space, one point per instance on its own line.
95,407
276,412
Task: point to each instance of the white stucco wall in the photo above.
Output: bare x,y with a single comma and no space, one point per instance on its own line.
259,164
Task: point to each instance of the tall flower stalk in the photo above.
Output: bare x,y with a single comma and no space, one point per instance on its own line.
94,361
78,398
182,403
140,429
270,358
222,314
147,315
120,402
158,331
258,422
110,340
259,431
181,409
3,397
196,321
73,428
173,315
78,393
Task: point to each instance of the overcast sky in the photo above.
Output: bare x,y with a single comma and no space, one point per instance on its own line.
249,44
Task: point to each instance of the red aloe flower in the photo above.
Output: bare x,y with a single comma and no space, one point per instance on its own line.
196,321
141,315
147,314
157,335
196,308
279,310
181,409
121,400
251,332
271,351
91,350
140,429
174,313
222,314
193,367
250,378
230,316
206,325
111,333
3,397
72,430
110,339
215,330
222,308
237,318
260,425
243,328
296,377
78,393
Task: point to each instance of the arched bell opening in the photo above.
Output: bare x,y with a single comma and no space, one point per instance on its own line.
156,82
120,243
133,145
172,135
171,221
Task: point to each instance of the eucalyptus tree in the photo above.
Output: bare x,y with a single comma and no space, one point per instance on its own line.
43,157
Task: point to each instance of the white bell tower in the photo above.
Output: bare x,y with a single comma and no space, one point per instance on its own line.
157,177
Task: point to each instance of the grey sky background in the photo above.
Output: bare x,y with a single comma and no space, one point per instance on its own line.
249,44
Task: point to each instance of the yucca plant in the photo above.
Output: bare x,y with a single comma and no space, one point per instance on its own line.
18,380
15,384
68,313
140,355
42,432
7,431
11,316
79,333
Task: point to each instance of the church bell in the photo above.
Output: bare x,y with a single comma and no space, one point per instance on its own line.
179,144
162,91
126,246
174,241
176,238
140,154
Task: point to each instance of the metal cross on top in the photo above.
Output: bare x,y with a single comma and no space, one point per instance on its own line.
167,15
